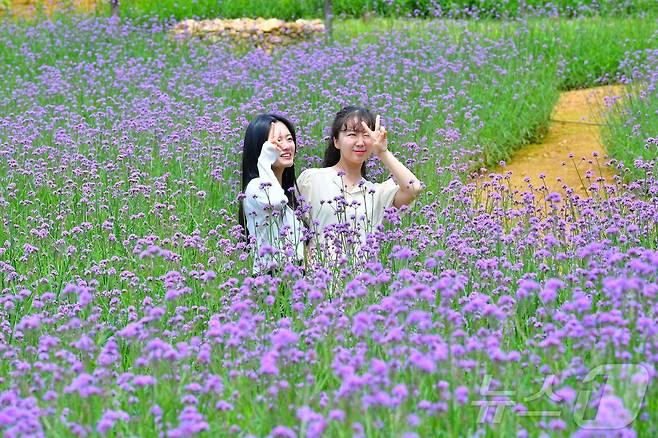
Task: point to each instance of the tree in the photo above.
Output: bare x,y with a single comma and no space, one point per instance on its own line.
114,7
328,17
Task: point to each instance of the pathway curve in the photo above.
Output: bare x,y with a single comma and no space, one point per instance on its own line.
574,129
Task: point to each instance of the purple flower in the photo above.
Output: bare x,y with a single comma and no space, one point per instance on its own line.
268,363
84,385
143,380
549,293
190,422
284,337
282,432
108,420
461,394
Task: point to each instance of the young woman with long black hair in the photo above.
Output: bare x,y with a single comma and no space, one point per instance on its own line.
339,193
267,210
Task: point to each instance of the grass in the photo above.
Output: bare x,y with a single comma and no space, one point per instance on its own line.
584,52
632,120
561,54
588,52
291,10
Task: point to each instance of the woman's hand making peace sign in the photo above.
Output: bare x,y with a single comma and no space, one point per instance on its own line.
274,136
378,136
409,185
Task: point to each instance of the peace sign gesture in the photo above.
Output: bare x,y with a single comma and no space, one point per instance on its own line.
274,136
378,136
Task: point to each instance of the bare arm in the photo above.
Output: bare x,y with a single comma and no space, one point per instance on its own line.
409,185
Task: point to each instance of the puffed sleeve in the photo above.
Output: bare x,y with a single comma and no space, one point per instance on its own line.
385,193
304,184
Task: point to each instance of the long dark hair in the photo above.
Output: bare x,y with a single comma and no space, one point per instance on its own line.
351,112
256,134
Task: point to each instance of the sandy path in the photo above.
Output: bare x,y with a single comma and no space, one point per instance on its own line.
574,130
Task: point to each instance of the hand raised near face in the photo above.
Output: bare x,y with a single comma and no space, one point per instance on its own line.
272,147
274,136
378,136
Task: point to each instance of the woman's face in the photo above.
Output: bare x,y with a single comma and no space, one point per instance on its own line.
354,142
282,140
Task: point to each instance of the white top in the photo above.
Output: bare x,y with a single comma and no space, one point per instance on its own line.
277,231
331,202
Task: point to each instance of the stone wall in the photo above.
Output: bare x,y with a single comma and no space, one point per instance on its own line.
259,32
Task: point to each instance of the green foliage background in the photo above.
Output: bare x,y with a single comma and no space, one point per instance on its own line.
293,9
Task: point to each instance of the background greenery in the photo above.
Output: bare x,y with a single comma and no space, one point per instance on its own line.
293,9
631,131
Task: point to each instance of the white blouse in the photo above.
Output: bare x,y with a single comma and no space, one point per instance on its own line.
277,231
332,202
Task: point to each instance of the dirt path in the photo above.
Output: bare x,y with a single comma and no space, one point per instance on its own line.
574,130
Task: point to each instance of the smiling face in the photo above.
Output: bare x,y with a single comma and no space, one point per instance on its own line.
354,143
286,144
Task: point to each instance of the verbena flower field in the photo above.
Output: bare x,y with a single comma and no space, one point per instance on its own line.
127,305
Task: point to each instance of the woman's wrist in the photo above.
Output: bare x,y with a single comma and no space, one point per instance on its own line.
386,153
269,153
